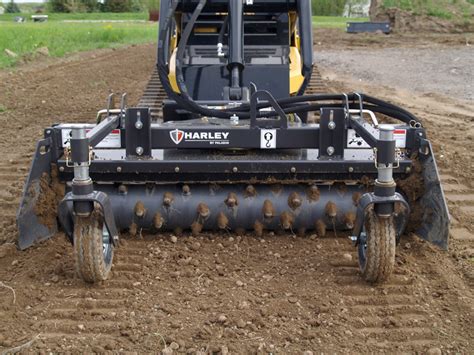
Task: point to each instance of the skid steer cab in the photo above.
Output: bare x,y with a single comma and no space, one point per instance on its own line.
237,146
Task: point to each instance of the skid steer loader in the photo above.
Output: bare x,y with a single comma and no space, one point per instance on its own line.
238,146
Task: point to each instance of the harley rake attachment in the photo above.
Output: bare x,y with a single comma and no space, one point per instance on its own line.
239,148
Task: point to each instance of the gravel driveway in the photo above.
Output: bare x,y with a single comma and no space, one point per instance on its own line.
448,70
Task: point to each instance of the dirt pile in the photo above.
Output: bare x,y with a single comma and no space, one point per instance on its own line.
407,21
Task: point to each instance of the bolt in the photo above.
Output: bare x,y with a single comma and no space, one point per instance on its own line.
351,169
234,120
138,125
408,169
293,169
48,131
176,170
119,169
235,169
332,125
61,168
330,150
139,150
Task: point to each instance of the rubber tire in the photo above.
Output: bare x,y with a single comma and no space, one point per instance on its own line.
91,265
380,252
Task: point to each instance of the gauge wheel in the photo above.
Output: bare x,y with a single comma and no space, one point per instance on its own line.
93,248
376,248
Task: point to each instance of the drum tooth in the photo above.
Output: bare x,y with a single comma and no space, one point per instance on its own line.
168,199
276,188
186,190
178,231
258,227
356,198
239,231
203,210
320,227
294,200
286,220
349,220
231,200
139,209
122,189
250,191
222,221
268,210
313,193
133,229
196,228
158,220
331,209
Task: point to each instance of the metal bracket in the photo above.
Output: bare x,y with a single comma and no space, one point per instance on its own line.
65,212
281,122
369,199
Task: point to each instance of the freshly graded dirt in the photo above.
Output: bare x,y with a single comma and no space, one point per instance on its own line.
243,294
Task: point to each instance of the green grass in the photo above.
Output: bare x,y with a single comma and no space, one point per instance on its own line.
125,16
445,9
334,21
63,38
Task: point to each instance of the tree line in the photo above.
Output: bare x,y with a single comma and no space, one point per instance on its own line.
320,7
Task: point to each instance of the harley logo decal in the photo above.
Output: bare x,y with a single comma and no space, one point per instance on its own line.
177,136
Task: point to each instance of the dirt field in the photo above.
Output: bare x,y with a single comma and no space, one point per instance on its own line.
279,294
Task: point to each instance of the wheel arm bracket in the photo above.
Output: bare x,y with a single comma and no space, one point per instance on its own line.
369,199
65,212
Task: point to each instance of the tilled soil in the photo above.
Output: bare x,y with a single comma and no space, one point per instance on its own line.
217,293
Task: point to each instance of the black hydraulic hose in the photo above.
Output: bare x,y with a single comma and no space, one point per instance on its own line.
242,111
220,38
